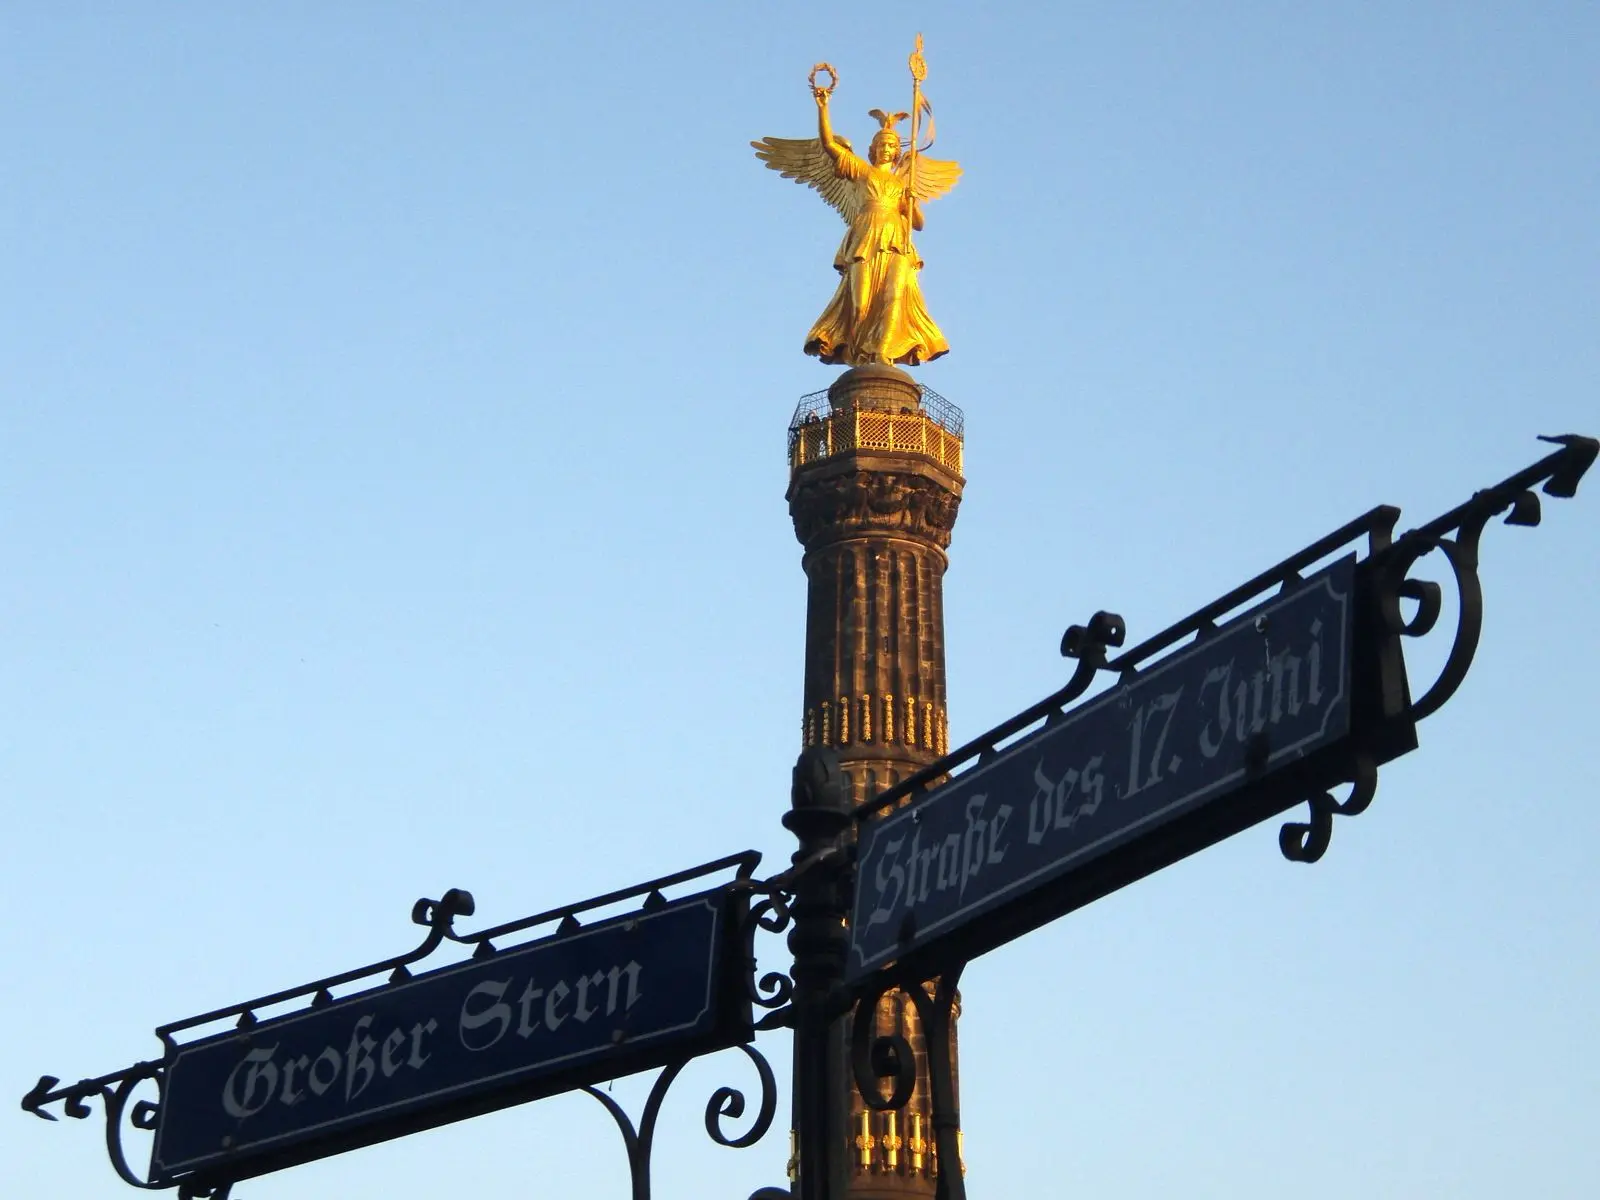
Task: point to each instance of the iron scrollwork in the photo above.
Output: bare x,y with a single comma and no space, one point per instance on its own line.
1456,535
876,1057
1390,563
725,1103
1306,841
773,990
113,1092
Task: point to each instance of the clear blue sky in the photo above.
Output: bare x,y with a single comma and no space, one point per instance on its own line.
392,402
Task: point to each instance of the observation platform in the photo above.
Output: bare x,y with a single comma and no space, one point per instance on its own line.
872,409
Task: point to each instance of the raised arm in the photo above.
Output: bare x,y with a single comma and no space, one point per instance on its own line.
830,144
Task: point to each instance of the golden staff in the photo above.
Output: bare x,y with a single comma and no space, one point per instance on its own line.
919,72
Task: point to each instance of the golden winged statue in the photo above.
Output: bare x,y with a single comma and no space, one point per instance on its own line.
877,314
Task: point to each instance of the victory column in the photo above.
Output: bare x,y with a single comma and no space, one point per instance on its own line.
875,483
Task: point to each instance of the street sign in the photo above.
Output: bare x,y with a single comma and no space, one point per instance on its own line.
1214,738
577,1008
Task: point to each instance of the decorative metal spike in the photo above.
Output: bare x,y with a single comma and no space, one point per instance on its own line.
485,950
34,1100
569,924
246,1020
400,974
653,901
323,998
1563,482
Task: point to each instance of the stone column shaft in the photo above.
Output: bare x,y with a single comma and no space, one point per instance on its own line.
874,499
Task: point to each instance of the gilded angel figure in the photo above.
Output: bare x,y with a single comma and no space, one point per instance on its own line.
877,314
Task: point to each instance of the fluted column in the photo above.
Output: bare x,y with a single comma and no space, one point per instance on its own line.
874,493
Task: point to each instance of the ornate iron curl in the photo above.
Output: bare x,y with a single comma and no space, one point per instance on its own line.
1308,841
889,1056
725,1102
774,990
876,1057
1087,644
1461,553
771,914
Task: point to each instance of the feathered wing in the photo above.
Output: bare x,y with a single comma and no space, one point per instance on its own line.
935,176
805,161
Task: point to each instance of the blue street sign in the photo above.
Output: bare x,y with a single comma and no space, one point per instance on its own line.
577,1008
1010,844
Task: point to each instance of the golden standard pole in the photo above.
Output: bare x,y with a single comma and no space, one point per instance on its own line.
919,72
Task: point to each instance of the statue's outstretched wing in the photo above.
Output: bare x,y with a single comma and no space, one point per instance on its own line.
935,176
805,161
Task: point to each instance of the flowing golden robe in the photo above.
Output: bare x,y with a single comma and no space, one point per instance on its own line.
877,313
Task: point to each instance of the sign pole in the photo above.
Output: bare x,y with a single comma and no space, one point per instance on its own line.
819,816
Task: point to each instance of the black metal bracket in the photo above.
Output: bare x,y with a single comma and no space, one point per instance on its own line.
725,1103
819,817
115,1090
1388,563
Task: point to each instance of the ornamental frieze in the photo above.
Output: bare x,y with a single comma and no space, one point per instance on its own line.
857,502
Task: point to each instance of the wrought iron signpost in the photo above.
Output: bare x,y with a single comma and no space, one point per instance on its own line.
1277,694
